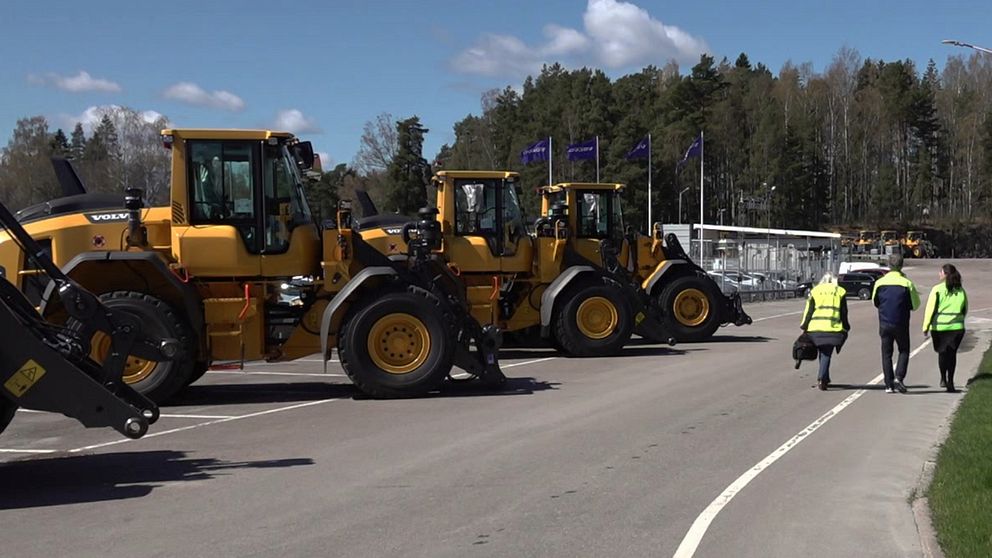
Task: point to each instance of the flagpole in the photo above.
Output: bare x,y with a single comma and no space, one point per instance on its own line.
702,196
597,159
551,155
650,231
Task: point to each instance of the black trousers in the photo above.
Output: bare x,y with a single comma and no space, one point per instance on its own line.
946,344
898,334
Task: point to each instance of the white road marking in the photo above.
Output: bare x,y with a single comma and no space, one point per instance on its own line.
699,527
198,416
527,362
241,373
27,450
208,423
778,316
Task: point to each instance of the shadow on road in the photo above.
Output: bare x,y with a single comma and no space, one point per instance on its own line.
632,349
983,377
56,481
234,394
512,386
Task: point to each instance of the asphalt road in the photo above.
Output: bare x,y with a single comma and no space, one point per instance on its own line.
579,457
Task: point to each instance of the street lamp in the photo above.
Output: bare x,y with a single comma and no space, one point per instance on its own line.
680,204
966,45
722,209
768,225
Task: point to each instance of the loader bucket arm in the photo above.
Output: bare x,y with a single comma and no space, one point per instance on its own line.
46,366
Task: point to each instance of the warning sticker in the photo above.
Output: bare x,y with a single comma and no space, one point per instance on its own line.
23,379
639,318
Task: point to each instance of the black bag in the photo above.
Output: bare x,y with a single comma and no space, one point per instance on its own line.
804,349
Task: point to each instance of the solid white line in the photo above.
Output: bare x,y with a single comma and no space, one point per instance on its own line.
527,362
28,451
777,316
285,362
208,423
695,535
239,372
198,416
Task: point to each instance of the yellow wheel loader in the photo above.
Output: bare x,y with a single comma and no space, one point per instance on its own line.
45,365
657,267
568,278
211,270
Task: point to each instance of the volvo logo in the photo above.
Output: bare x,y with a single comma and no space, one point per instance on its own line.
107,217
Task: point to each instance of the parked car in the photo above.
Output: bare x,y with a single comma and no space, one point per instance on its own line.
857,284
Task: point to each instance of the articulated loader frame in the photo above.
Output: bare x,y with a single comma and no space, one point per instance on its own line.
45,366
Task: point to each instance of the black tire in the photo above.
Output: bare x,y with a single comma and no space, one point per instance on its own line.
864,293
7,410
695,330
199,369
158,319
375,380
569,335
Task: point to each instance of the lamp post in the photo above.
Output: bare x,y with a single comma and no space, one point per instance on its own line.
722,209
680,204
966,45
768,225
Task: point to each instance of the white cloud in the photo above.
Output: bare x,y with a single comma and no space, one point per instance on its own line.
617,35
293,120
78,83
91,117
193,94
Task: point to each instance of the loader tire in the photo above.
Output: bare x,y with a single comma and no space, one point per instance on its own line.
594,320
7,410
199,369
157,381
397,345
692,308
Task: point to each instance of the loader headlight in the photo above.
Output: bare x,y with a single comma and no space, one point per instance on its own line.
3,272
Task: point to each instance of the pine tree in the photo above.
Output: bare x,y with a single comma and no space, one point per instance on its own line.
77,145
409,171
59,144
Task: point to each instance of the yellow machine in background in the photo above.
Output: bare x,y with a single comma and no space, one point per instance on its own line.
211,270
867,240
916,244
577,277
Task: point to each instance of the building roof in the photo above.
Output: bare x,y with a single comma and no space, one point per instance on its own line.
798,233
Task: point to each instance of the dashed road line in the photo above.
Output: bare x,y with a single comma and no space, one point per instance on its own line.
690,543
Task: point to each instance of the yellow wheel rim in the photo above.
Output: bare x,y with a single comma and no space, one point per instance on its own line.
597,317
135,369
399,343
692,307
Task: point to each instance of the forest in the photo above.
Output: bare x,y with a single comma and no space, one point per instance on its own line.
863,143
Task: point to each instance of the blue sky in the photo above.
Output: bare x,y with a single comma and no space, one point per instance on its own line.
324,69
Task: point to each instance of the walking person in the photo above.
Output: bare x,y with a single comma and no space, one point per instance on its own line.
896,297
943,320
825,321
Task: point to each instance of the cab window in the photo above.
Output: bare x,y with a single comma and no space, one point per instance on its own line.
475,208
285,204
222,186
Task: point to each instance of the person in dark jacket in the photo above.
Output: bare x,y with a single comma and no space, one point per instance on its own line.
896,297
825,321
944,318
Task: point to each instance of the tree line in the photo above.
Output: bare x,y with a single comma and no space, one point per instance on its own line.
864,143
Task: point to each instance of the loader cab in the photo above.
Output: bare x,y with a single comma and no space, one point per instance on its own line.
595,214
482,221
238,206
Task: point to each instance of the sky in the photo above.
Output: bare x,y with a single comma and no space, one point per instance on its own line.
324,69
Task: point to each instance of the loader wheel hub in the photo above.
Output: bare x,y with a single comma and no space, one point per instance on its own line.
399,343
135,369
597,317
692,307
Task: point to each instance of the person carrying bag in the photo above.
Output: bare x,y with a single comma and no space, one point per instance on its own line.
825,321
943,321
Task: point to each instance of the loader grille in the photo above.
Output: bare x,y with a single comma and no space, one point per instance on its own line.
178,213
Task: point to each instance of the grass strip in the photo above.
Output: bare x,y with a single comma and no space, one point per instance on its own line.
961,492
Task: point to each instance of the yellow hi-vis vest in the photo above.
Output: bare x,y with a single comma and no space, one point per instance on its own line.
826,300
945,310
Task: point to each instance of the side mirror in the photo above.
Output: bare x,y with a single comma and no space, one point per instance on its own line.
304,154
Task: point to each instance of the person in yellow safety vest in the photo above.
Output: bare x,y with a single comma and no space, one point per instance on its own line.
825,321
943,320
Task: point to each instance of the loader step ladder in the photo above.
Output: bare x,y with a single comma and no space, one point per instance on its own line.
226,317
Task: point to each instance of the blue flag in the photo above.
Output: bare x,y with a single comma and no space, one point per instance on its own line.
639,150
694,150
537,151
582,150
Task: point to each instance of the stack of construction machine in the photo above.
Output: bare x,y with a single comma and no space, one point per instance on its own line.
236,269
